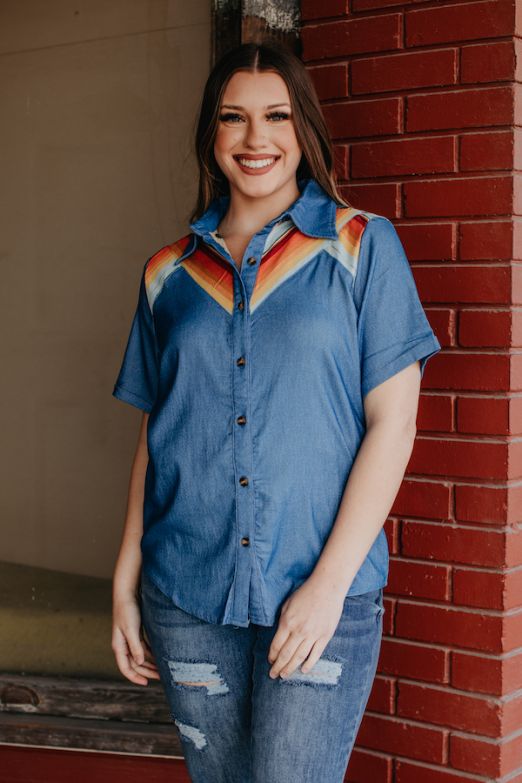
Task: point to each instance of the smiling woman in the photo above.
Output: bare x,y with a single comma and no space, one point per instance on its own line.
256,147
277,348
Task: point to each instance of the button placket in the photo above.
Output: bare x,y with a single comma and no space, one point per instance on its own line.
244,282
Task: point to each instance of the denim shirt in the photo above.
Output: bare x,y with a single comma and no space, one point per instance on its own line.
254,380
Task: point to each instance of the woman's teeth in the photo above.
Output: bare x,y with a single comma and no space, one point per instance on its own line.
256,164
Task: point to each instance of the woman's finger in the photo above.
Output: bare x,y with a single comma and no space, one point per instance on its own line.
146,665
145,670
149,655
136,647
139,650
123,659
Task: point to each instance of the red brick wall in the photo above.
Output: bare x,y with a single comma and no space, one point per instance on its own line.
423,100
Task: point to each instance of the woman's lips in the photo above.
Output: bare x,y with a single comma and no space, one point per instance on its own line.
258,170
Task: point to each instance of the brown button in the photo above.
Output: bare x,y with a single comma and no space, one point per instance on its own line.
245,541
251,260
241,419
243,481
241,305
241,361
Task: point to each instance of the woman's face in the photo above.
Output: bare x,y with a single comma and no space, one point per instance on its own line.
255,146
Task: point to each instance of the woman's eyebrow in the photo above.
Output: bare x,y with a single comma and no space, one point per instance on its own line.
270,106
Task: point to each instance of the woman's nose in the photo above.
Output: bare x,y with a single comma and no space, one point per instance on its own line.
255,134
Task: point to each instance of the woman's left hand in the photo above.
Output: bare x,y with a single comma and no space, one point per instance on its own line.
309,618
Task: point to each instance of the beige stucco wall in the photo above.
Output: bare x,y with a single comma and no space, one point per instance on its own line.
98,103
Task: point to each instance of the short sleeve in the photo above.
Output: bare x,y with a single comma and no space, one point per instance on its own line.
393,329
137,381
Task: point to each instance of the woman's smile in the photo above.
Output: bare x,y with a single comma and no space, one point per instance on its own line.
256,164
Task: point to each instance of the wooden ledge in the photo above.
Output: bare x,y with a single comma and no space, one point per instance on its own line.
87,714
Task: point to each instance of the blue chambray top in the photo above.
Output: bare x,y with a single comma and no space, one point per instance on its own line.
254,381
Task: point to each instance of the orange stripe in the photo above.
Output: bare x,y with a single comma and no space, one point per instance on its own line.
165,256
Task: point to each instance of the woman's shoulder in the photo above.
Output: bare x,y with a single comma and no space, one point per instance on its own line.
352,225
164,261
171,252
352,222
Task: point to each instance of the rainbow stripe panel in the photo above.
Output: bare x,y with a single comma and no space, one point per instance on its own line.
286,251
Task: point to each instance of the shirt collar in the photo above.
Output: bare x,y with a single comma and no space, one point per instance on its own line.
313,212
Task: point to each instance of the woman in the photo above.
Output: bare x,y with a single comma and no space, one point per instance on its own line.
276,353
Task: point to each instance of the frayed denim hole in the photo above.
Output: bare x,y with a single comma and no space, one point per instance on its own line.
326,672
191,733
197,675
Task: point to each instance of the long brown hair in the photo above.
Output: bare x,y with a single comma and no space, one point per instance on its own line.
312,133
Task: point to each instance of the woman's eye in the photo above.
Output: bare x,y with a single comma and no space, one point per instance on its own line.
228,117
278,115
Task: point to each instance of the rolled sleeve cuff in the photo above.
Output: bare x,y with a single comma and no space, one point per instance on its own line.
423,350
125,395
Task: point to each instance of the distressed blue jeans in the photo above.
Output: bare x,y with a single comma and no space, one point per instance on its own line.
236,723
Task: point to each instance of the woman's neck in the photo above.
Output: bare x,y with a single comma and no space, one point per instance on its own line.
247,215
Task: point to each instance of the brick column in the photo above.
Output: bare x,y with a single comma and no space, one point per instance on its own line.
422,100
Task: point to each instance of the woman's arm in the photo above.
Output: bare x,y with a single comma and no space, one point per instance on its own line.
374,480
311,614
128,564
133,654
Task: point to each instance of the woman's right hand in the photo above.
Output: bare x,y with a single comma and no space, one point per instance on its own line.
133,654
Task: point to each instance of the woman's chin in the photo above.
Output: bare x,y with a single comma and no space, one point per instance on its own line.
257,186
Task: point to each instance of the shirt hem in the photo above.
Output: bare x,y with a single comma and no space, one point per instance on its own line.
197,613
381,584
